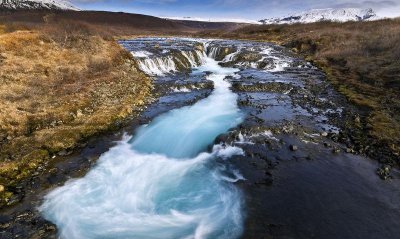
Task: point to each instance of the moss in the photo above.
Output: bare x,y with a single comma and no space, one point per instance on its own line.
384,126
58,139
5,198
260,87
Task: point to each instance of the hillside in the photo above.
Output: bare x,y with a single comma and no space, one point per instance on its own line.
109,23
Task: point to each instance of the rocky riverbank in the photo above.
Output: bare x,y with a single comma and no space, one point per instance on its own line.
361,62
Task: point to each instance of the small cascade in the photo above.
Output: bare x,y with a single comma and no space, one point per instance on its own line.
157,66
217,52
161,65
201,55
213,52
191,58
232,56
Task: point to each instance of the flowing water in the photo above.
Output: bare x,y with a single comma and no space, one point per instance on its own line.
161,183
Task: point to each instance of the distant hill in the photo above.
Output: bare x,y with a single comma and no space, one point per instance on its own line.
116,23
329,14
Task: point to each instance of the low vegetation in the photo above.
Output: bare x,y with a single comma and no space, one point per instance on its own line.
362,60
59,85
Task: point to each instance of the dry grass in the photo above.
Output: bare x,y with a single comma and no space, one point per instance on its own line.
57,88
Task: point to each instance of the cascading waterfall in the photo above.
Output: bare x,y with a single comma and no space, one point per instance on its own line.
213,52
268,62
190,57
159,66
160,183
232,56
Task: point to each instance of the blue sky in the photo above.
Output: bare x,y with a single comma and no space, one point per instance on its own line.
245,9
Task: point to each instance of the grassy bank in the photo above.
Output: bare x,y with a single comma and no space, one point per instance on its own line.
362,60
59,85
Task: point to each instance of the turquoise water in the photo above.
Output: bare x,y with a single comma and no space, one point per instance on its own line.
160,183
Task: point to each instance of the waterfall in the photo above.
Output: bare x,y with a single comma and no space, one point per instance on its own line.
213,52
161,183
190,57
161,65
157,65
232,56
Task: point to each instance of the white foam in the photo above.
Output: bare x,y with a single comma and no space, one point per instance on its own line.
141,54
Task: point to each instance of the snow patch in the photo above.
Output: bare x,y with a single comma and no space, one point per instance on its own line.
37,4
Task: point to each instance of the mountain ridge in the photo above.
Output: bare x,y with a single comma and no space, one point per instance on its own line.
327,14
37,5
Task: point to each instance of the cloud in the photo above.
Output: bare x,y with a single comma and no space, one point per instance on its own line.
86,1
377,5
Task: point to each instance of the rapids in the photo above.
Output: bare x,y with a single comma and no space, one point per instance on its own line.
161,182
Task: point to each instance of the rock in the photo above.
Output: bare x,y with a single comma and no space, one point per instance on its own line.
324,134
336,150
357,119
384,172
53,171
13,200
293,147
64,153
79,113
327,145
53,123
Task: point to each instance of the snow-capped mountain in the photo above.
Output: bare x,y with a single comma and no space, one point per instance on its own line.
36,5
329,14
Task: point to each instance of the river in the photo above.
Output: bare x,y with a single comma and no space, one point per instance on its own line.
160,183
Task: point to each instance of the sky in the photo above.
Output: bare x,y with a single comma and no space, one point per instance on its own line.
238,9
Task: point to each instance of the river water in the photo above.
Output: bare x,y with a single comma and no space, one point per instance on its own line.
260,152
162,182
